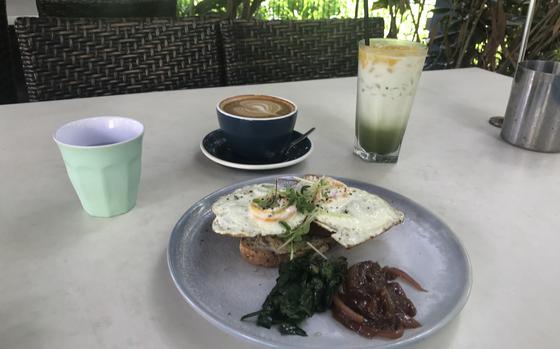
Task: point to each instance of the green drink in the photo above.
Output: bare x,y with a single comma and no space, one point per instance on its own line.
388,74
380,140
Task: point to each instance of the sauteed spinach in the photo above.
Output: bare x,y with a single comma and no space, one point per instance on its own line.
305,285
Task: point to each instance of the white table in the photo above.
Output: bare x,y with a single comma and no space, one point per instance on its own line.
68,280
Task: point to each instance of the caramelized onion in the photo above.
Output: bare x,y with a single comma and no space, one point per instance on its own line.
365,329
373,305
396,272
391,334
348,313
409,322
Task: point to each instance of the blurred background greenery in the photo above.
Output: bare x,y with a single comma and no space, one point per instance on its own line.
403,19
488,34
460,33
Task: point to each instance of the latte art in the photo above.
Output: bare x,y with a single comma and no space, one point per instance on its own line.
257,106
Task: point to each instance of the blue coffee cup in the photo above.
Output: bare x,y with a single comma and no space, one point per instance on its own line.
257,138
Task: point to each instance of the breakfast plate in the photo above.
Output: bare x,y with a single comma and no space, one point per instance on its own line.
214,146
221,286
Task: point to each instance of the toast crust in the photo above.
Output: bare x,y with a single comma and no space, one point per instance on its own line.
262,252
261,257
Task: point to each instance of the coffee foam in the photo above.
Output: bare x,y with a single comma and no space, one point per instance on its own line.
257,106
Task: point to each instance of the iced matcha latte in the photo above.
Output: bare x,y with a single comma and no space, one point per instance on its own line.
388,73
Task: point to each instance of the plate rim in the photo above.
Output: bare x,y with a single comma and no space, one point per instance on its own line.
455,311
252,166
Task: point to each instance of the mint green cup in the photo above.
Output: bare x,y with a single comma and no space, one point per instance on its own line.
103,160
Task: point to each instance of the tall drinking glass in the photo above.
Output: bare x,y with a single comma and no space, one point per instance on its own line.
388,74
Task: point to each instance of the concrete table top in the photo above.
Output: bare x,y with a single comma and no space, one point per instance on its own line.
72,281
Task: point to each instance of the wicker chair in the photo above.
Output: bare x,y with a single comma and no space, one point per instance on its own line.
81,57
7,81
107,8
273,51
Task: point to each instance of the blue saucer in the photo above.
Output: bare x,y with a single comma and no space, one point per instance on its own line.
215,147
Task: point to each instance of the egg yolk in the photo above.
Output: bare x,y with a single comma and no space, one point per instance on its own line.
335,190
271,214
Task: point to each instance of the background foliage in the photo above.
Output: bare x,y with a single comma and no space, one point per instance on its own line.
483,33
402,18
488,34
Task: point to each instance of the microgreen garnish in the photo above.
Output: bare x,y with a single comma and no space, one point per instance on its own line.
316,250
265,202
305,201
296,234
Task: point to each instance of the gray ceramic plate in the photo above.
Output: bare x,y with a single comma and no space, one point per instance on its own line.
210,273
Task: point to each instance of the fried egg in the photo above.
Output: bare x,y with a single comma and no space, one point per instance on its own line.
237,214
352,215
358,217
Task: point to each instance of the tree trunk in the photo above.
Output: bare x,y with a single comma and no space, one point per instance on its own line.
255,6
246,11
229,8
393,30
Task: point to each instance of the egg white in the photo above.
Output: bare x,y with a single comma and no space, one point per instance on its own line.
233,217
352,215
357,217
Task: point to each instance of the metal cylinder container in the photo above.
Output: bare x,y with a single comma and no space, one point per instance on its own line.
532,119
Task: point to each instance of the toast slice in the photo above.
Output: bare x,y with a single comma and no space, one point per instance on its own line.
267,251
